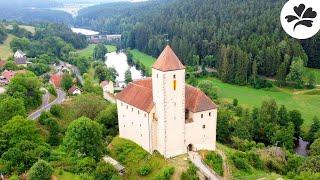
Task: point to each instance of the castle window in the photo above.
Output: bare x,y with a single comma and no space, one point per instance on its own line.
140,135
201,115
127,107
140,125
157,76
174,76
145,115
132,109
132,123
174,84
138,112
203,126
124,125
121,104
209,113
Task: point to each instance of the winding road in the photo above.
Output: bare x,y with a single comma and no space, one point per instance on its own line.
46,105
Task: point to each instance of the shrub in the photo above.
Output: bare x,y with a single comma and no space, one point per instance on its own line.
254,160
105,171
215,162
190,174
86,165
165,173
56,110
41,170
240,162
144,170
14,177
52,90
242,145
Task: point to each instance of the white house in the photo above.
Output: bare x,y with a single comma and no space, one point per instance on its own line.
107,86
163,113
20,58
74,90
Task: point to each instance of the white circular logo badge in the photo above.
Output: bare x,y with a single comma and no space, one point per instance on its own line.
301,18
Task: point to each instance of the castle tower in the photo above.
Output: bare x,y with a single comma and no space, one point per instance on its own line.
168,81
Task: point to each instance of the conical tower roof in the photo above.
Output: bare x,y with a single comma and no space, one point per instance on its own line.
168,61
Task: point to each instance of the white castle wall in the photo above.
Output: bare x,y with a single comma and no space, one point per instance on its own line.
134,124
199,137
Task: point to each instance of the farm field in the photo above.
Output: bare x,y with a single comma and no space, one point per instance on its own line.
5,50
307,103
88,51
26,27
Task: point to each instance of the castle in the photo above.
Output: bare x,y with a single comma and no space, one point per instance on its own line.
163,113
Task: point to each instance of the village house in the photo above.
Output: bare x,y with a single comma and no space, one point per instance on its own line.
20,58
107,87
74,90
55,80
163,113
7,75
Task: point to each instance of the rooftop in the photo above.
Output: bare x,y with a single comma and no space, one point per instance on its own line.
168,61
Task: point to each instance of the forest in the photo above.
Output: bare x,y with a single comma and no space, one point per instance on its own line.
228,35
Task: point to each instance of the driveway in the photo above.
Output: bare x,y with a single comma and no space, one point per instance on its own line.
46,106
195,158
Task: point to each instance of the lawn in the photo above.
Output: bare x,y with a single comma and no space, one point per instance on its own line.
26,27
63,175
88,51
145,59
133,157
308,105
5,51
316,73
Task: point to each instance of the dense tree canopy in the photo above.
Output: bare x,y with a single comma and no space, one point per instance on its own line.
27,87
84,138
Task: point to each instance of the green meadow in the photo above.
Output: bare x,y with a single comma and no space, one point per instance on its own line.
145,59
316,72
5,51
88,51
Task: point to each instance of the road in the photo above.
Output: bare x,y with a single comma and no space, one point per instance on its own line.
46,106
195,158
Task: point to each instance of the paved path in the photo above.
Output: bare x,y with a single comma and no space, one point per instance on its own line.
195,158
61,97
226,169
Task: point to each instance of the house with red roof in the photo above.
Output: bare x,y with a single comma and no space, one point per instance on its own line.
164,113
55,80
74,90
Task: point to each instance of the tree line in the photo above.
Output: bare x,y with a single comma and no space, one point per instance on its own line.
243,39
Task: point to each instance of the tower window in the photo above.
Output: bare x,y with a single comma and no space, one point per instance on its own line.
174,84
138,112
174,76
132,109
127,106
201,115
145,115
203,126
157,75
209,113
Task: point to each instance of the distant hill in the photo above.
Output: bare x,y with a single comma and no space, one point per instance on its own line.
28,4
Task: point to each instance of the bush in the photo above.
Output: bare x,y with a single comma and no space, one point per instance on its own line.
240,162
165,173
254,160
41,170
105,171
86,165
144,170
56,110
52,90
242,145
190,174
214,161
14,177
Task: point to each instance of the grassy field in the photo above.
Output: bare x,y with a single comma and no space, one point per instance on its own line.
88,51
308,105
28,28
63,175
145,59
316,73
5,50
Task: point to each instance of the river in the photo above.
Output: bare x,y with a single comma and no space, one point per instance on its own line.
86,32
119,62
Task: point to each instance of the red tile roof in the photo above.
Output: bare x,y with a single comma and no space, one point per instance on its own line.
56,80
8,74
168,61
139,95
72,89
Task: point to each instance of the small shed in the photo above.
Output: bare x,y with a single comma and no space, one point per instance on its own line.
115,164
